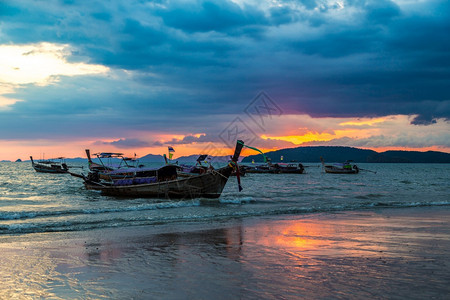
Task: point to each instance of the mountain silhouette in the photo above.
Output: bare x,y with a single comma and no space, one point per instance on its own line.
340,154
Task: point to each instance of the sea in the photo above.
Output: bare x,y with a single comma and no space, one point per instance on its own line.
32,202
381,234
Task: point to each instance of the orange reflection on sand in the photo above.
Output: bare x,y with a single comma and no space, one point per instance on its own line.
302,235
294,234
315,236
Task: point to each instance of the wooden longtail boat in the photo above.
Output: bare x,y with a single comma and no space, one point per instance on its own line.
290,168
278,168
269,167
261,169
50,166
342,168
164,182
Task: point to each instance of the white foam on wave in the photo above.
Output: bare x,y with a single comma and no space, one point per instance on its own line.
8,215
237,200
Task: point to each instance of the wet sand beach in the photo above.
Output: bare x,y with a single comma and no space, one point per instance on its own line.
378,254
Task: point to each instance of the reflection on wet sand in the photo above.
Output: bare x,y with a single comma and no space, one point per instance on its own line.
365,255
310,236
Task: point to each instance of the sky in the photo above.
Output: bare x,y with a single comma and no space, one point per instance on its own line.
137,76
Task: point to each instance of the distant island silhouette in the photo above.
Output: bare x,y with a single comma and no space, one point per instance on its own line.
312,154
340,154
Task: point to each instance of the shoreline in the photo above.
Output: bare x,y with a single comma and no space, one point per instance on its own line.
379,253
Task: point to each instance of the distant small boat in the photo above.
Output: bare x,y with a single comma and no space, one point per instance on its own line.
269,167
261,169
50,165
340,168
277,168
293,168
165,182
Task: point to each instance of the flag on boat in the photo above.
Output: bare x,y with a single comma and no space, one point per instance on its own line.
170,151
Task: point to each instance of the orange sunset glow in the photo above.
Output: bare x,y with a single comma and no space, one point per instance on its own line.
379,134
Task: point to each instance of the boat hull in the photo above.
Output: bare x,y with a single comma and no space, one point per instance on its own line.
49,166
47,169
42,170
275,170
332,170
208,185
343,168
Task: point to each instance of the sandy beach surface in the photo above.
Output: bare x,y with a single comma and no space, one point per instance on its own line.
372,254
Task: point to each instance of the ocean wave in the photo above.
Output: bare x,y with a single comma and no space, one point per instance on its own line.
131,220
237,200
370,196
9,215
34,203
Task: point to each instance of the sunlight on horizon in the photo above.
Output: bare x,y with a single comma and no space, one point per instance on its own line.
379,134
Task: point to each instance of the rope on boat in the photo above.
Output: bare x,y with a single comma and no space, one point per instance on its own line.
368,170
215,172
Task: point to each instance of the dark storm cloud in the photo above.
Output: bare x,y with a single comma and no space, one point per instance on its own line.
403,66
381,11
189,139
128,143
367,58
204,16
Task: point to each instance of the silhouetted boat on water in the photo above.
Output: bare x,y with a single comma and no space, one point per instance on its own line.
277,168
164,182
340,168
273,168
54,165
